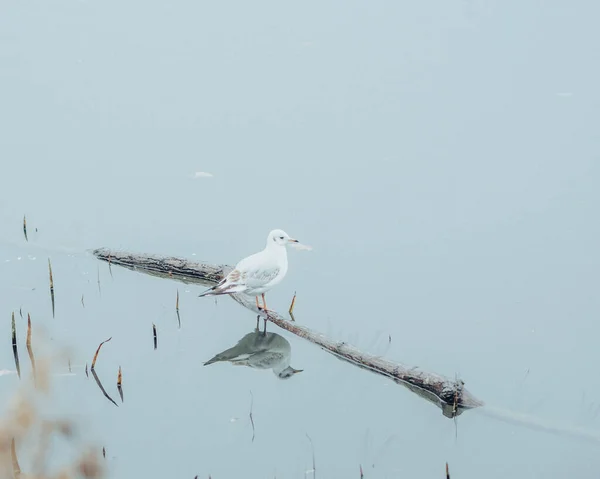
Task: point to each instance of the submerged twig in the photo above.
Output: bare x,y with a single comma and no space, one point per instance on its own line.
177,309
97,351
29,348
51,285
14,345
314,467
447,472
99,383
86,370
103,452
154,334
82,303
119,386
251,417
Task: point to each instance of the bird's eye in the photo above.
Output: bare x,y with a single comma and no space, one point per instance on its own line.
281,237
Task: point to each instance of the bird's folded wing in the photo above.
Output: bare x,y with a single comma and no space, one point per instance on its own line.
259,276
265,359
233,277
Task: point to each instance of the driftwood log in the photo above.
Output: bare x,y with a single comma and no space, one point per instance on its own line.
450,396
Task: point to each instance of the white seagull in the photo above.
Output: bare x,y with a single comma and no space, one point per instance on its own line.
258,273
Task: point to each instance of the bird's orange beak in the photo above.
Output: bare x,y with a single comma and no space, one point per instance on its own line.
292,240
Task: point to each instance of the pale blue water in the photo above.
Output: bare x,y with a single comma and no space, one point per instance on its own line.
441,159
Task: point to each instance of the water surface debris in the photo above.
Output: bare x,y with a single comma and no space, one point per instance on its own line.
82,303
69,364
97,351
447,472
86,370
119,381
25,227
21,312
29,350
14,345
15,461
361,472
154,333
97,379
177,309
202,174
103,452
51,285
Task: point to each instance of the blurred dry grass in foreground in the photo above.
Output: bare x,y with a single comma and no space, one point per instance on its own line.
27,436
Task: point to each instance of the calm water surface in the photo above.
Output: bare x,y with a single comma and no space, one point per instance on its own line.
441,159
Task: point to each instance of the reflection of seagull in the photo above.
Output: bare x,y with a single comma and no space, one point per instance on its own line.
260,350
259,272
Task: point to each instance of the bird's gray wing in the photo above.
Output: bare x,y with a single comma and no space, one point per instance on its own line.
265,359
260,277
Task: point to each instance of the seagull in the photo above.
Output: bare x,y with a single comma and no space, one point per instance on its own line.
260,350
258,273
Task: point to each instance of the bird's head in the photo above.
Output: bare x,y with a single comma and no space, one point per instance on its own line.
288,372
280,238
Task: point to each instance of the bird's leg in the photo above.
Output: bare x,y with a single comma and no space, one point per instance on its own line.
257,319
257,306
265,305
265,327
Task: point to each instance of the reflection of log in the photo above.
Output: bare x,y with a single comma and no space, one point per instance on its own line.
448,395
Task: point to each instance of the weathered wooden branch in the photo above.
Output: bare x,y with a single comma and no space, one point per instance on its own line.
450,396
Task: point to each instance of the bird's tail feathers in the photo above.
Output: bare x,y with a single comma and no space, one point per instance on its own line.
209,292
223,289
229,355
217,358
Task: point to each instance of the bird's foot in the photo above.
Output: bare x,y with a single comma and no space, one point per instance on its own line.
270,313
